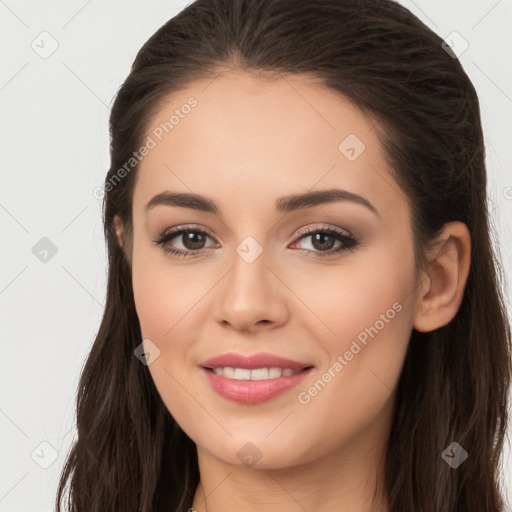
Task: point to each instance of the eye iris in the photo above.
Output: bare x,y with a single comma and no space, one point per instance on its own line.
192,236
322,236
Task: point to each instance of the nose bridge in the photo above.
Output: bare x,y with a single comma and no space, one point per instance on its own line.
251,293
249,269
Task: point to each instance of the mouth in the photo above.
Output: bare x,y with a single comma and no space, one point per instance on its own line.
259,361
253,379
273,372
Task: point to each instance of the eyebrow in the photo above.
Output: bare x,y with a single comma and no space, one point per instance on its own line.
283,204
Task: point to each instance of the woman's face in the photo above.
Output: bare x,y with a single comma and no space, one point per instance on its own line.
327,281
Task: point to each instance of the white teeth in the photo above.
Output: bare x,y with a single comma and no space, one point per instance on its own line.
254,374
273,373
259,374
228,372
242,374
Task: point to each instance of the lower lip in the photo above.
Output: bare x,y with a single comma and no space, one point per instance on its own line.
253,391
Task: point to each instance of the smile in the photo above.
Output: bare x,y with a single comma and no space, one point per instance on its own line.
254,374
264,387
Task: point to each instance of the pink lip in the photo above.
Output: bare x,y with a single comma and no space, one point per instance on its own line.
252,391
261,360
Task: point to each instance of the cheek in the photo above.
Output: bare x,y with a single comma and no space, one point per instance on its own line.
368,316
167,301
374,323
368,291
163,294
164,304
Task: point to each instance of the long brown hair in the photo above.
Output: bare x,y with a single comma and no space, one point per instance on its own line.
131,455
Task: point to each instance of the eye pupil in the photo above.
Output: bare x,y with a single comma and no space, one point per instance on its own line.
320,236
192,236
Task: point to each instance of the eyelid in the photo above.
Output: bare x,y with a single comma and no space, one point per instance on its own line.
299,234
313,229
348,241
187,227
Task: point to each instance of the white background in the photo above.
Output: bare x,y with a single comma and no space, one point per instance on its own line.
54,140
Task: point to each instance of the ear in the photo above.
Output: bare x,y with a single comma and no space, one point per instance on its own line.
442,288
119,230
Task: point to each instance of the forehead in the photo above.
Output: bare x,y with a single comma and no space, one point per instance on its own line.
263,138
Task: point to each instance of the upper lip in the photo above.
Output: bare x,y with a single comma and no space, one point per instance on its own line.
261,360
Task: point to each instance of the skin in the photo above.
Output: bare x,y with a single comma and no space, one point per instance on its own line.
262,140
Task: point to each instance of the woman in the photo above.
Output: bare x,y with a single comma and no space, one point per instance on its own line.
303,306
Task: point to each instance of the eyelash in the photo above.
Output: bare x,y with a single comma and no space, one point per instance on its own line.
349,242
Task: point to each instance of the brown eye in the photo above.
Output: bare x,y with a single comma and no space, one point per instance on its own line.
324,240
191,240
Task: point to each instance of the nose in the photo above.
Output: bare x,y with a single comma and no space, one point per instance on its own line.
252,296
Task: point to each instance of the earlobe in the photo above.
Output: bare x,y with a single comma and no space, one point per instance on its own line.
438,303
118,229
